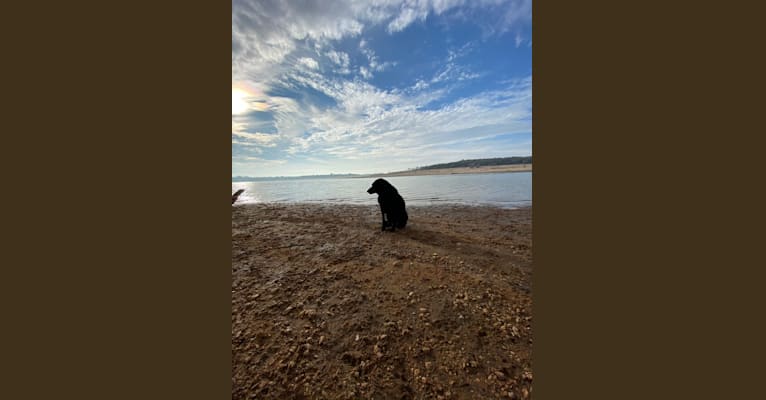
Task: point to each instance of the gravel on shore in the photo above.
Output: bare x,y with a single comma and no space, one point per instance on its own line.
325,305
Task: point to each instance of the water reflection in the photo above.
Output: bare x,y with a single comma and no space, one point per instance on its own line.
504,190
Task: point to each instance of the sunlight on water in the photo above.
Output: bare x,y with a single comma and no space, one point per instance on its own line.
508,190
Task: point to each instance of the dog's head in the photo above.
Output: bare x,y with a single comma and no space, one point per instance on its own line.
380,186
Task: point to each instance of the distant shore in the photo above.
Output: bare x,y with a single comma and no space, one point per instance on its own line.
439,171
462,170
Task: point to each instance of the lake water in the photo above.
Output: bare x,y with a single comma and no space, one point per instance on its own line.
509,190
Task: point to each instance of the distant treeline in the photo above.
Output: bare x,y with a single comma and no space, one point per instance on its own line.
483,162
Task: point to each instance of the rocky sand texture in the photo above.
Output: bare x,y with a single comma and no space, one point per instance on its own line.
326,306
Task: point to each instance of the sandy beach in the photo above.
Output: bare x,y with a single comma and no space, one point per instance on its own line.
325,305
466,170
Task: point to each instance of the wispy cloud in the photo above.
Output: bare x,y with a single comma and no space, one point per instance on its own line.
308,62
332,91
407,16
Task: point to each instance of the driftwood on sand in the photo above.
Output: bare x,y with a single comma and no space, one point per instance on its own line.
236,195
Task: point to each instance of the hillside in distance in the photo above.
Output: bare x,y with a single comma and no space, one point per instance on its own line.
482,162
482,165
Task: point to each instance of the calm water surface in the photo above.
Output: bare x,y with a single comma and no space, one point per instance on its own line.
510,190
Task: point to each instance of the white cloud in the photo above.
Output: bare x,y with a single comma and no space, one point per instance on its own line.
308,62
366,74
465,75
281,44
405,18
252,147
256,139
373,122
242,134
420,85
338,57
454,72
266,32
379,67
370,122
251,165
517,12
373,60
341,60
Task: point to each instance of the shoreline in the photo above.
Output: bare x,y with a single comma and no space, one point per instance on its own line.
442,171
442,207
494,169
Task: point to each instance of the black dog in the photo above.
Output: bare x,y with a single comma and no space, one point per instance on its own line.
391,205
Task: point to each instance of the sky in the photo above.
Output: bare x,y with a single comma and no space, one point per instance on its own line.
355,86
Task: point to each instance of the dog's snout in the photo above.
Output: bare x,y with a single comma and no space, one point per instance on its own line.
370,190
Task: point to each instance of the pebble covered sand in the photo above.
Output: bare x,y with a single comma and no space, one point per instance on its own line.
326,306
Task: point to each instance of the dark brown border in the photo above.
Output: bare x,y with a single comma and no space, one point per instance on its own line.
121,217
646,208
641,162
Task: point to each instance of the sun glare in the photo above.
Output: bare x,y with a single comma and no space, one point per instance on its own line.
239,101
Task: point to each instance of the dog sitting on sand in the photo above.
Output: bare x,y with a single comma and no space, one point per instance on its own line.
392,209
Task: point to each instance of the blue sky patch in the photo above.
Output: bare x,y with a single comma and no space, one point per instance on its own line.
368,86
